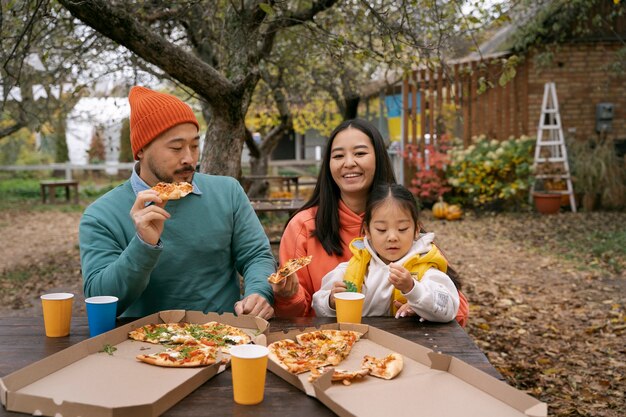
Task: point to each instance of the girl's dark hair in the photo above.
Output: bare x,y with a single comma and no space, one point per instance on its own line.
326,194
403,197
399,194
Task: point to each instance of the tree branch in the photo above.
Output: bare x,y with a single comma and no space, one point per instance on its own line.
118,25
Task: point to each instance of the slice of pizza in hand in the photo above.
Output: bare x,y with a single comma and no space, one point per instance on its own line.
289,268
172,191
386,368
346,377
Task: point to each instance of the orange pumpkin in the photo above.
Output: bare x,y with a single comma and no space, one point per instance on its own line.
454,212
440,209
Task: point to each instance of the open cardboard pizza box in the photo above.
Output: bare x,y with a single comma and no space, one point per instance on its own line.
430,384
83,380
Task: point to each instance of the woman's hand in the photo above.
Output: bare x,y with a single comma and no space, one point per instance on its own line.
286,288
400,278
338,286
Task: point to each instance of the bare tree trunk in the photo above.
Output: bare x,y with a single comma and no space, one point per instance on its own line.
259,166
223,144
351,107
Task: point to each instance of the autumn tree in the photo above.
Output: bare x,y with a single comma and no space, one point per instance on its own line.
47,60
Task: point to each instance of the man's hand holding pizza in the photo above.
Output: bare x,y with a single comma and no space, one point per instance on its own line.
149,219
255,305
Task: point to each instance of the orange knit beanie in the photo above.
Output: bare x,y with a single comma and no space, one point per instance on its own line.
152,113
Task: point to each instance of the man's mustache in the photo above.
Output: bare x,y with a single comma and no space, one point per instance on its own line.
186,169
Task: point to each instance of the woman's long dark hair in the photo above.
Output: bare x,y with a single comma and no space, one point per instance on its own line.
326,194
403,197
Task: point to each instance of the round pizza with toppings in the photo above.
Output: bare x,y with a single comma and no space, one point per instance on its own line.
172,191
313,349
208,336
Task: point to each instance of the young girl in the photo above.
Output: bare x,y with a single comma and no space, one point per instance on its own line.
400,271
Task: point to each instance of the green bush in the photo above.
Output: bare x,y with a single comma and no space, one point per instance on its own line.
492,174
15,189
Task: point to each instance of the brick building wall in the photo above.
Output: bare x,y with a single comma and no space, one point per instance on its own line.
583,79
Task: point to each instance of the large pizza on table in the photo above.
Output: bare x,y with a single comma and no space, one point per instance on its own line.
314,351
172,191
188,344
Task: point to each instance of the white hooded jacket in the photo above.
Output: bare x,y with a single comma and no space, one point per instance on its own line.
434,297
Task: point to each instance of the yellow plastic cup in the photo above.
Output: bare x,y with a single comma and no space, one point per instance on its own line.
349,307
249,365
57,313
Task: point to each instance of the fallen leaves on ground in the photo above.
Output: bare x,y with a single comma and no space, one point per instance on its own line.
546,308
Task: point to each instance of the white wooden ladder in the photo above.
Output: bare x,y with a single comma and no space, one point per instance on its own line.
551,149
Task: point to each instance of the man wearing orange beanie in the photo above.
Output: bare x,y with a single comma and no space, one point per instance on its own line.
188,255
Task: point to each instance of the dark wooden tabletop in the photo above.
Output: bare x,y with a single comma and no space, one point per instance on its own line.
22,342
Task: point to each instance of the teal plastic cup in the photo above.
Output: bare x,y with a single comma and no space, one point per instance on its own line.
101,314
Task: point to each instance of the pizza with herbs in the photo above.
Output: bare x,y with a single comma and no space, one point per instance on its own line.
219,335
185,355
162,333
385,368
288,268
313,349
211,335
172,191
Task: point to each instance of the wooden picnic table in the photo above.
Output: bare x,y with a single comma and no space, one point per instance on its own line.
22,342
48,190
283,180
275,205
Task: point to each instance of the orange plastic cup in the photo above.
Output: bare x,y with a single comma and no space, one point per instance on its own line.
349,306
249,366
57,313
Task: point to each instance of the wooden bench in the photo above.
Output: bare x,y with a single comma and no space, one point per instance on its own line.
285,181
48,190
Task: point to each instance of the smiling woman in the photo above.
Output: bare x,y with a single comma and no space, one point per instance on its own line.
355,160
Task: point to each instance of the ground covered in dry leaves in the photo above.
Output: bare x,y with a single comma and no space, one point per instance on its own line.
546,293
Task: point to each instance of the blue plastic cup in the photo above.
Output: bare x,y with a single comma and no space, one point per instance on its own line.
101,313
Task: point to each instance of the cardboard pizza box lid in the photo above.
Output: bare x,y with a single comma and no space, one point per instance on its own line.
84,380
430,383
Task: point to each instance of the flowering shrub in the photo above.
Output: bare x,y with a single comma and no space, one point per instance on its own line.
491,173
429,182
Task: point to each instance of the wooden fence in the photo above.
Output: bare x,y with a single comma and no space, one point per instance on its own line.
449,102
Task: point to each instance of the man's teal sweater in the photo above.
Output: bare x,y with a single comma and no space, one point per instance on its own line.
208,239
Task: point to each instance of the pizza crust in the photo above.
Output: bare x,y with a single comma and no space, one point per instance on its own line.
346,377
386,368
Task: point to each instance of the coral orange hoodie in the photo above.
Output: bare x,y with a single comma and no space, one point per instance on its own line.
297,242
